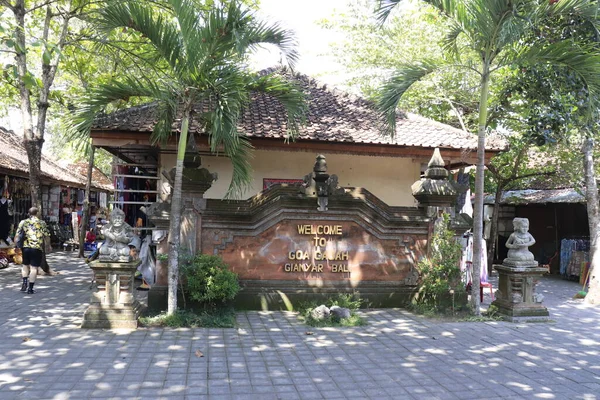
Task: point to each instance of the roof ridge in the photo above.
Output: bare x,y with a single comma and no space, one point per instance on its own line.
336,91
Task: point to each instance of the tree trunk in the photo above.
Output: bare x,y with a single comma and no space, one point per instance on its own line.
478,209
494,227
85,218
593,296
176,207
34,156
31,143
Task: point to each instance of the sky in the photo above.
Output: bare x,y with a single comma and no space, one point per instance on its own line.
301,16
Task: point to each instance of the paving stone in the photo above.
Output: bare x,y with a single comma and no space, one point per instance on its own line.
269,356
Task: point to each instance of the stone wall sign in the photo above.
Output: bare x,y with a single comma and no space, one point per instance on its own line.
319,250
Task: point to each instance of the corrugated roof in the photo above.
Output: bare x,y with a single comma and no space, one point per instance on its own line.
532,196
333,116
13,157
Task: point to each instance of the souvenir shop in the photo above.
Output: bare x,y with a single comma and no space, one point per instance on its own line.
136,185
71,200
15,201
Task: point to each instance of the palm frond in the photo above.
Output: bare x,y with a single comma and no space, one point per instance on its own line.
260,33
213,44
224,136
166,111
103,95
384,9
241,158
392,91
450,42
151,23
585,9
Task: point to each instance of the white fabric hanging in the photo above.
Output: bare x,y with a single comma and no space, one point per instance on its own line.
466,262
467,208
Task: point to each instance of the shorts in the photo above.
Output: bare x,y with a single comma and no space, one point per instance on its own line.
32,257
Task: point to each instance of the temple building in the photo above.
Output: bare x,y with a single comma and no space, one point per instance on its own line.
365,227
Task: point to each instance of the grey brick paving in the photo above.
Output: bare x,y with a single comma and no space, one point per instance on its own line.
45,355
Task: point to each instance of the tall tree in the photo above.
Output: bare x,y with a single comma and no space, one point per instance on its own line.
492,32
200,53
36,36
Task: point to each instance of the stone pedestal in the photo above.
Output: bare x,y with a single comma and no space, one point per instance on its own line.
113,305
516,298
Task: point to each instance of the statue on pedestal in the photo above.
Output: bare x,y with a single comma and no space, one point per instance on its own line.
119,237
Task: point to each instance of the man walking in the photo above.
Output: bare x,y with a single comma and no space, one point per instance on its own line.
32,231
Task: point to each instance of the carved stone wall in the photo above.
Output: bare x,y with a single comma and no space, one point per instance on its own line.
280,245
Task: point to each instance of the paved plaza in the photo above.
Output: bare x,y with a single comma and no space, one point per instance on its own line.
45,355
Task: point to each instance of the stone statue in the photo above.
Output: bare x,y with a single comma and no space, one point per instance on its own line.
518,243
119,237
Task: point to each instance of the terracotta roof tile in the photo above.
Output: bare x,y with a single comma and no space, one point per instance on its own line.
333,116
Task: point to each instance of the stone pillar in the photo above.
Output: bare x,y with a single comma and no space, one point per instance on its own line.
434,191
196,181
114,304
516,298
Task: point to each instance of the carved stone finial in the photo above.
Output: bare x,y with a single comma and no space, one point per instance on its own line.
435,167
434,189
321,177
320,167
191,158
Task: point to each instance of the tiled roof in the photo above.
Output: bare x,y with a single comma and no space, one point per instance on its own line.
13,157
333,117
98,177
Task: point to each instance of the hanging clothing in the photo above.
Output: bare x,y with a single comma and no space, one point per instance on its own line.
80,196
574,253
102,199
4,219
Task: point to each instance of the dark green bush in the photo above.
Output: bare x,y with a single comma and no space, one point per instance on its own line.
207,279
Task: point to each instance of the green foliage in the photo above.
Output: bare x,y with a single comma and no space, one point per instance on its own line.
346,300
350,301
440,272
223,317
207,279
491,314
369,52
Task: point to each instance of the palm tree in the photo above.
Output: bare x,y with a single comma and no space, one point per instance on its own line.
199,59
492,32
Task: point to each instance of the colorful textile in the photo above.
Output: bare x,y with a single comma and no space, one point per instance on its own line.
35,231
569,248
